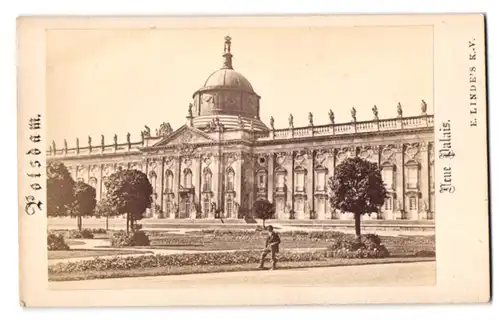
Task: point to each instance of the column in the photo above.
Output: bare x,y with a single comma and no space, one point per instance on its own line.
270,180
196,169
237,185
216,182
162,186
424,182
400,194
309,184
177,182
330,163
289,200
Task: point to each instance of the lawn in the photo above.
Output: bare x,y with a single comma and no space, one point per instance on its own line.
176,270
247,240
81,253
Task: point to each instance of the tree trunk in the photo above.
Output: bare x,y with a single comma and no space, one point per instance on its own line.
264,223
107,223
128,219
357,224
79,223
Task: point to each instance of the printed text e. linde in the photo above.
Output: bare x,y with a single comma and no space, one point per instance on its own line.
472,84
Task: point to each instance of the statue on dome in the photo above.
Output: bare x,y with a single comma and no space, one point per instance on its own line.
77,145
375,112
400,110
227,44
65,145
353,114
272,123
115,139
90,142
423,107
102,141
128,138
190,110
290,120
311,119
54,145
331,115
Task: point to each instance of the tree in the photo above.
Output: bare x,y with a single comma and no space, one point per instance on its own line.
263,209
104,209
357,187
84,202
59,189
129,192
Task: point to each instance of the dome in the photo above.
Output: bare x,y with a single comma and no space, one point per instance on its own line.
228,78
227,98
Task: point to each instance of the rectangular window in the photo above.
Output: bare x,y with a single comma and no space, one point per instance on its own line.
229,206
299,186
321,181
206,207
412,177
388,204
387,177
262,182
413,203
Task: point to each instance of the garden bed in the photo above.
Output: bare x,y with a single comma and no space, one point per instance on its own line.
177,270
83,253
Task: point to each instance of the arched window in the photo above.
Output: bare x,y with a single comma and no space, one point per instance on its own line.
230,180
169,181
93,182
153,178
207,180
188,178
388,175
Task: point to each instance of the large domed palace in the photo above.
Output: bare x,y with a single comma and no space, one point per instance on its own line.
225,157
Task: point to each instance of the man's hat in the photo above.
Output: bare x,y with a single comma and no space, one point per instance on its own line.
270,228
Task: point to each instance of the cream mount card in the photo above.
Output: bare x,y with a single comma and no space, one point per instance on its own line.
155,153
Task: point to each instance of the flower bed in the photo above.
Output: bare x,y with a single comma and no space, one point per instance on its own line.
195,259
84,234
348,246
56,242
122,239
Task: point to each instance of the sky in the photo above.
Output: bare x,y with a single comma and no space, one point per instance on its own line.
117,81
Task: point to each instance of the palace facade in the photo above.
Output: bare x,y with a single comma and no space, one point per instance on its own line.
224,158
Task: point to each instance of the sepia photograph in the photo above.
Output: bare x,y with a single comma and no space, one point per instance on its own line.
300,155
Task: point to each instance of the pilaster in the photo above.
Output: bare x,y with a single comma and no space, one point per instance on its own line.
270,178
400,190
196,169
424,182
309,184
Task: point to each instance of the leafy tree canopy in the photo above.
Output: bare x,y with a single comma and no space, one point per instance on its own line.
129,191
263,209
357,187
59,189
84,199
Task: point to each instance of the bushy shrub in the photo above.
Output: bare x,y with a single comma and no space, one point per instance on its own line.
122,239
324,235
425,253
84,234
194,259
56,242
98,231
348,246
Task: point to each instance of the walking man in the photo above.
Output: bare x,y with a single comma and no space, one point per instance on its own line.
272,246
